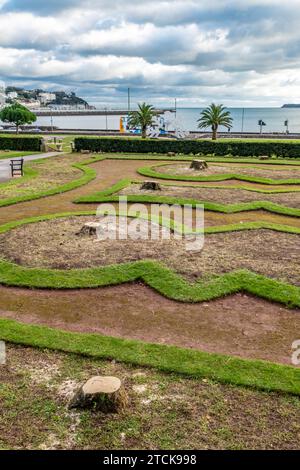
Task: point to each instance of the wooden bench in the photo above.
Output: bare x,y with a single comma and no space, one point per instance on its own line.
16,167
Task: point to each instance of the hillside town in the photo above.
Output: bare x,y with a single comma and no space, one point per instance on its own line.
40,99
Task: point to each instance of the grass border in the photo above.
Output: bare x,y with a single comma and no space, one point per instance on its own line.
209,158
255,374
153,273
16,154
88,175
110,195
148,171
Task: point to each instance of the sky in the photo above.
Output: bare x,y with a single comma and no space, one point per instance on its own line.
235,52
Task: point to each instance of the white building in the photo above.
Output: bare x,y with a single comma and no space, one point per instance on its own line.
2,94
30,104
46,97
12,95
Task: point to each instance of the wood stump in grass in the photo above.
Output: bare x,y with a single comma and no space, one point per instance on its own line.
198,165
106,394
90,228
264,157
150,186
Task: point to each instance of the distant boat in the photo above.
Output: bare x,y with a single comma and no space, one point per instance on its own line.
291,105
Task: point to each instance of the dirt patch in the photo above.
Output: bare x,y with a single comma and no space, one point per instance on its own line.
239,325
55,244
171,412
222,196
183,169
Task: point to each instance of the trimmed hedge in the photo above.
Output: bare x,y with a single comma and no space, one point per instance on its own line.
21,143
136,145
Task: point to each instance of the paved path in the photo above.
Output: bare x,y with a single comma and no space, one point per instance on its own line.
5,174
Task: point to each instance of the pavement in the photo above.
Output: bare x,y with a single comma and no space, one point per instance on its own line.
5,173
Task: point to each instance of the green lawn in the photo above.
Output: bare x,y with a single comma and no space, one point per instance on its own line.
5,155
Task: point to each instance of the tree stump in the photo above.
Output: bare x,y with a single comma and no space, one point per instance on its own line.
150,186
171,154
264,157
198,165
90,228
105,394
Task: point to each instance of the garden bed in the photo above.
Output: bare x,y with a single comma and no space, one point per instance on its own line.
218,195
239,325
183,169
55,244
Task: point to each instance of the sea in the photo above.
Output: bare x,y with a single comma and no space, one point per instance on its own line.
244,120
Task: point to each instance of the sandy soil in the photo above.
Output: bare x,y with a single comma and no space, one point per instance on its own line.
240,324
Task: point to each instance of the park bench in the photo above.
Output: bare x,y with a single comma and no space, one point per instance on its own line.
16,166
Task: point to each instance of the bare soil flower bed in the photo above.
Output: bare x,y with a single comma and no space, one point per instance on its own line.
183,169
54,244
222,196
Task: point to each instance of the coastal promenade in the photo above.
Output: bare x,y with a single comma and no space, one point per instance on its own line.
90,112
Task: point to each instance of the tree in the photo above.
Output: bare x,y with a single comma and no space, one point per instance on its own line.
143,118
18,115
214,116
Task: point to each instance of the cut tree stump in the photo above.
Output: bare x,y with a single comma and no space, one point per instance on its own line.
90,228
198,165
106,394
150,186
264,157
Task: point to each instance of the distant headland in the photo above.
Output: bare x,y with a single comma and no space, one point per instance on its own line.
292,105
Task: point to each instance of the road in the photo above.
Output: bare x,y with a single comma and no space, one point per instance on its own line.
5,173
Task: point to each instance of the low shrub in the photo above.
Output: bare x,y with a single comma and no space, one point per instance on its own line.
194,147
20,143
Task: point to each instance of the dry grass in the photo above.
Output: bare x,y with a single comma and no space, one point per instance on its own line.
55,244
183,169
165,412
222,196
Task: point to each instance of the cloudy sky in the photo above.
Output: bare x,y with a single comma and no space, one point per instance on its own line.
238,52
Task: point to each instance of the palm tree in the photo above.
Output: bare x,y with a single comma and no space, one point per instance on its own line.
214,116
142,118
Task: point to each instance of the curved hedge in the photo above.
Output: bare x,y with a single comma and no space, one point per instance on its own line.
137,145
22,143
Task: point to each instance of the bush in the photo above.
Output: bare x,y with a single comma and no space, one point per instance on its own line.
21,143
136,145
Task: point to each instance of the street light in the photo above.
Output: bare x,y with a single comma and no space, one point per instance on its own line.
106,125
261,123
128,100
286,124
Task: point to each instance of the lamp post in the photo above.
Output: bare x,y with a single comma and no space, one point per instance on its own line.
261,123
106,124
51,119
286,123
128,100
243,117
